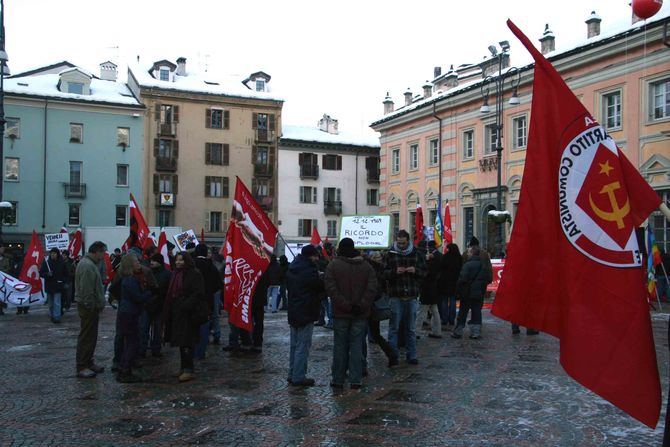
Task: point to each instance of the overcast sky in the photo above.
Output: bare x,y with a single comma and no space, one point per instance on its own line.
338,57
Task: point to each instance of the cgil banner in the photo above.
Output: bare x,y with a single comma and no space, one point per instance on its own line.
17,293
61,241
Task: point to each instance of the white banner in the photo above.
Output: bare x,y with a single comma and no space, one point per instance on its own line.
17,293
57,240
183,239
367,231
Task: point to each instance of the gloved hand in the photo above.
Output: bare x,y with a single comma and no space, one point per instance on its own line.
356,309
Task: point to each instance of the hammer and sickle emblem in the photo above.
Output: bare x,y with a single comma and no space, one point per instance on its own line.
618,213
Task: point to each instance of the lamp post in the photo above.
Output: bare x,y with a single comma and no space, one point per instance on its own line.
3,70
497,82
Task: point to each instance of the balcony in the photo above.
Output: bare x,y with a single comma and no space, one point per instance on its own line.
264,135
332,207
373,175
264,201
309,172
263,170
166,164
166,200
167,130
75,190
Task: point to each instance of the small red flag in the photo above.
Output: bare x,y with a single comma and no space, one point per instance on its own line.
139,230
75,244
418,224
202,235
30,271
109,269
580,203
448,235
163,249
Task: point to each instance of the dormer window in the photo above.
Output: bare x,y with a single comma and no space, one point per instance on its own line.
260,85
164,74
75,87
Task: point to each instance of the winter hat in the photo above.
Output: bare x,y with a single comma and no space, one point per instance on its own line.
157,257
308,251
200,250
346,248
474,242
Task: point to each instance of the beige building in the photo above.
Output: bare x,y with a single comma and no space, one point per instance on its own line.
200,133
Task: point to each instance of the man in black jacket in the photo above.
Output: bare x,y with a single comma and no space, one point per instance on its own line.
304,286
54,272
213,283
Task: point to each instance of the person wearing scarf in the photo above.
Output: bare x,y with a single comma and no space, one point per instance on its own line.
186,288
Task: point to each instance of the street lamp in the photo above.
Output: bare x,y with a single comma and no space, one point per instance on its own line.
3,71
512,76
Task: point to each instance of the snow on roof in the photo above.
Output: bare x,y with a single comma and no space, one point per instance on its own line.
314,134
47,86
199,83
80,70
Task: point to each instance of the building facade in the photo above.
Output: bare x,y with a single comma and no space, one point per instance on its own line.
324,175
202,132
622,78
73,150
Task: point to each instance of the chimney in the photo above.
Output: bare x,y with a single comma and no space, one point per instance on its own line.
181,66
408,97
548,40
427,89
108,71
437,71
593,25
328,124
388,104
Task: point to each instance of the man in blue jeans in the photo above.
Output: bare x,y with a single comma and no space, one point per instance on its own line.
304,300
54,272
404,269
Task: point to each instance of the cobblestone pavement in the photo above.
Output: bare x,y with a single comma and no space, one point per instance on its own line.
502,390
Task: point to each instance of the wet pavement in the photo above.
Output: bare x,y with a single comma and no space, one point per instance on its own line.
502,390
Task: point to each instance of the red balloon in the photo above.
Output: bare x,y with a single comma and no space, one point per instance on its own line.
646,8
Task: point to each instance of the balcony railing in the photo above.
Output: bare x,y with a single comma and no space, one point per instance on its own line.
75,190
332,207
309,172
165,199
373,176
167,129
264,201
265,135
263,170
166,163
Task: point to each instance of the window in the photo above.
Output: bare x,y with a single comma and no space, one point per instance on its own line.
432,215
75,172
519,132
12,127
660,224
260,85
76,133
11,169
332,229
164,182
75,87
9,216
468,144
217,154
121,215
307,194
217,119
413,157
660,99
305,227
216,186
332,162
167,113
612,110
164,148
490,137
262,156
373,197
262,121
164,218
412,225
215,221
395,160
74,214
395,222
468,224
121,175
433,152
123,136
164,74
332,195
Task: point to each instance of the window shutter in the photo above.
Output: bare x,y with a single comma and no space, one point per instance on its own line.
325,195
271,118
254,154
156,185
271,188
300,227
369,197
175,184
338,196
314,195
315,224
226,154
207,223
208,118
254,186
156,146
301,159
370,163
175,149
175,114
157,112
271,157
254,120
226,119
339,162
208,153
225,187
208,183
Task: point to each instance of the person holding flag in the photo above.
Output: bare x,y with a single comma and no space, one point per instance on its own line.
54,272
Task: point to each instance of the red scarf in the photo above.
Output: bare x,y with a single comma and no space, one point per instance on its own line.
174,290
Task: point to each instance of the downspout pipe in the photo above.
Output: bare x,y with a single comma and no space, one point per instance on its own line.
439,156
44,173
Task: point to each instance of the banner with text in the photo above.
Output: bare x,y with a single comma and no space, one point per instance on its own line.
56,240
372,231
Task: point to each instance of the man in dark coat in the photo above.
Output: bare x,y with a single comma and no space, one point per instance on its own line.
478,276
212,283
54,272
305,287
429,298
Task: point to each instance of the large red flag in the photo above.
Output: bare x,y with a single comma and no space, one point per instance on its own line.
448,235
108,269
249,245
74,246
317,241
418,224
139,230
163,249
575,271
30,271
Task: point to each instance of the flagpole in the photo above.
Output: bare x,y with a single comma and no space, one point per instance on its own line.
286,244
665,210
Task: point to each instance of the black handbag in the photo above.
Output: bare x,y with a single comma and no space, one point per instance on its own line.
463,287
381,308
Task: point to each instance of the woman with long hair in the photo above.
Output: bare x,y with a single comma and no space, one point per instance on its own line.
185,292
